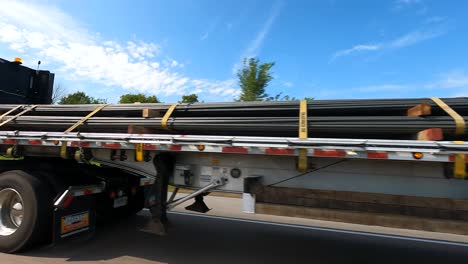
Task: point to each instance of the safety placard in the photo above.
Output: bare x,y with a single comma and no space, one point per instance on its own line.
75,223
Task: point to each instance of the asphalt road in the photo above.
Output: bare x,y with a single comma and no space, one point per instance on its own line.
195,239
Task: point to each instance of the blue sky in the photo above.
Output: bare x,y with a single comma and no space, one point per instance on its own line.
322,49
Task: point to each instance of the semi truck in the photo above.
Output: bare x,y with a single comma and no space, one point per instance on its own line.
65,167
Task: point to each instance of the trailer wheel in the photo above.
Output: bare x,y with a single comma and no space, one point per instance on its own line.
24,211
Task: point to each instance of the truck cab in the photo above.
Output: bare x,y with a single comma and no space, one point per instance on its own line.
23,85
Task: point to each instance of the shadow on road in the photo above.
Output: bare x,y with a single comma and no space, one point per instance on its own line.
195,239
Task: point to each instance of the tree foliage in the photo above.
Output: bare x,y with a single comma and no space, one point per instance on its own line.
253,79
80,98
308,98
281,97
189,99
137,98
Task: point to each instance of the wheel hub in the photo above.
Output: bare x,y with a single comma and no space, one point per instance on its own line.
11,211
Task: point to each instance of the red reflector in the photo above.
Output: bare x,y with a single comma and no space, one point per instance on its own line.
67,201
149,147
452,158
35,142
134,190
111,145
112,195
279,151
176,147
234,150
9,141
329,153
377,155
79,144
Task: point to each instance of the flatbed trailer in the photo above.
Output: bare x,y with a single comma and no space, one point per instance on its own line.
396,183
56,184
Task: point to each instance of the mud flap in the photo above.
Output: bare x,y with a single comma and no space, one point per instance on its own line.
77,220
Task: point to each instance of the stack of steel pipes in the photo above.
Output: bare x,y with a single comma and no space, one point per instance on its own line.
373,118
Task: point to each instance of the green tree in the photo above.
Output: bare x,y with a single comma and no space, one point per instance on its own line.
253,79
281,97
189,99
137,98
80,98
308,98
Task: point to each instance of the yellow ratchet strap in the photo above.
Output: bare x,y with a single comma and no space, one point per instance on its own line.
459,168
82,120
10,111
167,115
303,134
63,148
17,115
459,121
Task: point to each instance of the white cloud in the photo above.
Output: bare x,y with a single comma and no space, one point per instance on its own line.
254,46
355,49
210,29
416,37
403,41
450,80
382,87
288,84
257,42
221,88
434,20
51,35
401,4
407,2
450,84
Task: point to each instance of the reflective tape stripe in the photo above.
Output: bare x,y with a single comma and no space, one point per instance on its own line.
329,153
279,151
235,150
377,155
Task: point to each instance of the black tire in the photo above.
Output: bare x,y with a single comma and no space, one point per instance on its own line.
36,225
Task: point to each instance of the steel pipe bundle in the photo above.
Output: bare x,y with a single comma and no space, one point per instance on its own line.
378,119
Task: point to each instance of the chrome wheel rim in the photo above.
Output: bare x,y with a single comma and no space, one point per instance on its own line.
11,211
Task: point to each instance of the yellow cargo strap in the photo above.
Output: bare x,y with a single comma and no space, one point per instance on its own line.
459,168
459,121
82,120
18,115
10,111
63,148
303,134
167,115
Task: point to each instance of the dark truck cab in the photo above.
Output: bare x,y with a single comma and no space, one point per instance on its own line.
23,85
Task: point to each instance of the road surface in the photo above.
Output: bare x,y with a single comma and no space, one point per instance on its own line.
198,239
